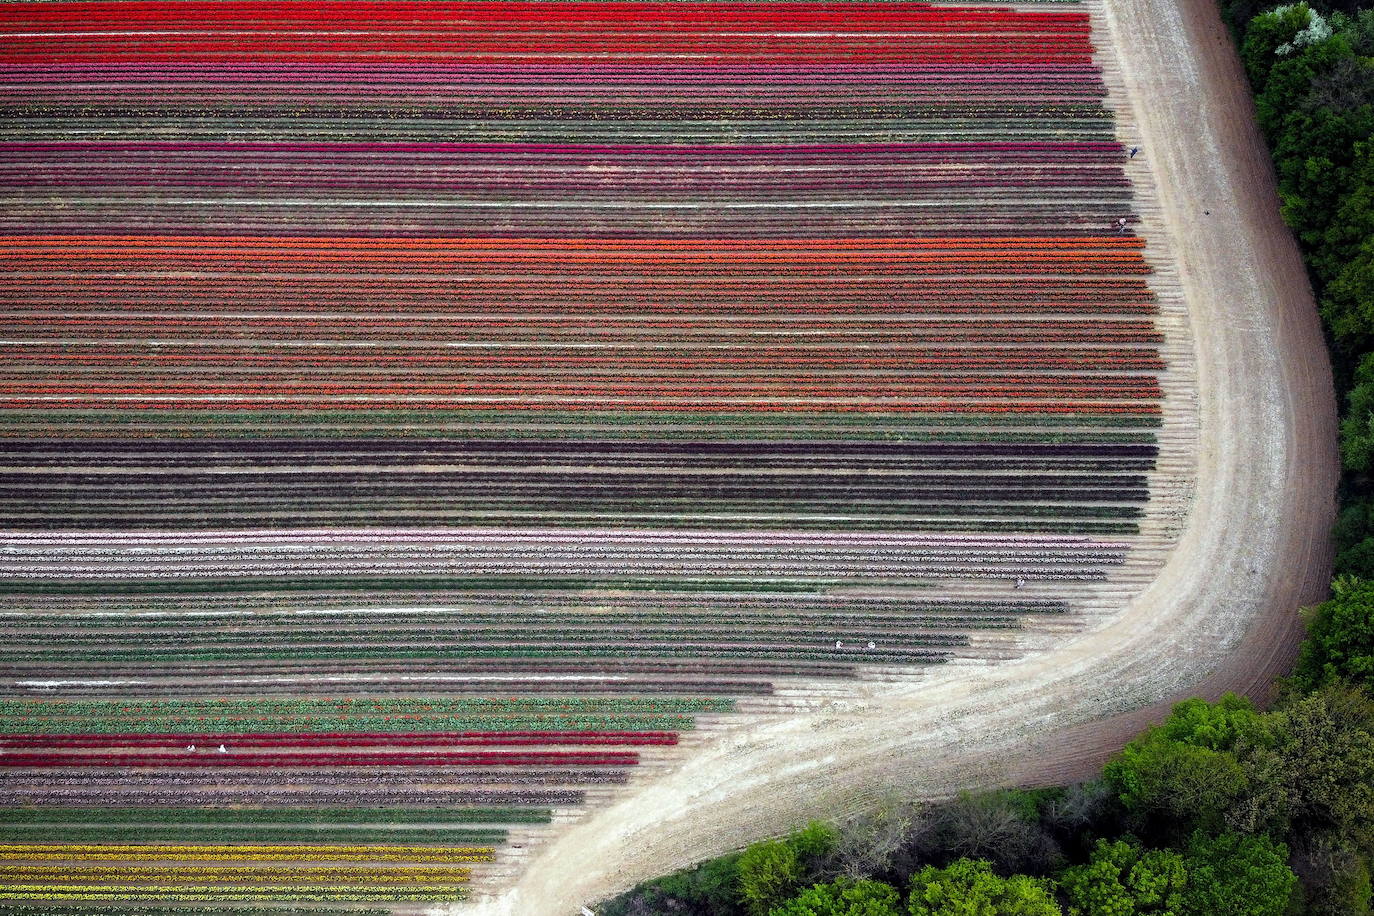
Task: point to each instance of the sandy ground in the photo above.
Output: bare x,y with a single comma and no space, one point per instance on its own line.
1223,612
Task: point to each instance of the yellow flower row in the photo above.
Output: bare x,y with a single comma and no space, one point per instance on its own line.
180,853
286,873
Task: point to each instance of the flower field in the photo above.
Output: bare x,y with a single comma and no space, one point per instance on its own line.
418,419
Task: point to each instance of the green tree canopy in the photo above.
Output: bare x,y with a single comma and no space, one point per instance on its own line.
1122,879
968,887
1317,779
844,897
1348,308
1340,632
1185,770
773,871
1237,875
1266,34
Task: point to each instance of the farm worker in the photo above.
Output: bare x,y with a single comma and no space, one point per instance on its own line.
838,644
190,747
1134,150
871,645
223,749
1121,224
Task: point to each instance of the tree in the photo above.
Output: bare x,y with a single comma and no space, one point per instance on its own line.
774,870
1237,875
1315,100
1326,743
1122,879
1340,632
769,873
1184,771
1347,306
1000,826
1078,806
1353,535
1307,767
1336,880
1268,32
843,897
1078,813
968,887
1347,302
869,845
1216,726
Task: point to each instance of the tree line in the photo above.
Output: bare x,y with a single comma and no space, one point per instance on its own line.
1312,70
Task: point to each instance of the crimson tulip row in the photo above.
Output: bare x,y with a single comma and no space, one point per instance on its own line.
454,15
371,705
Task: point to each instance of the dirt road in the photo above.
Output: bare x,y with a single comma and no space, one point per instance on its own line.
1221,615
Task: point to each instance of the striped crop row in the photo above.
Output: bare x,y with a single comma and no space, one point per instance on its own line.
417,417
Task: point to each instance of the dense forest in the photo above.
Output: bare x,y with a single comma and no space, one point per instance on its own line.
1222,809
1313,75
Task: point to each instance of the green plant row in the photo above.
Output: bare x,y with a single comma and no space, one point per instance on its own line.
957,613
268,583
113,725
369,705
444,641
231,893
172,611
289,654
270,834
274,816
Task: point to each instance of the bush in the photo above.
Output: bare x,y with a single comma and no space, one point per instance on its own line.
709,889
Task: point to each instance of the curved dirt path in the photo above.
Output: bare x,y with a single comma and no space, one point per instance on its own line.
1221,615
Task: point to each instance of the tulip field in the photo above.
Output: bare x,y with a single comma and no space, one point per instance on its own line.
421,421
